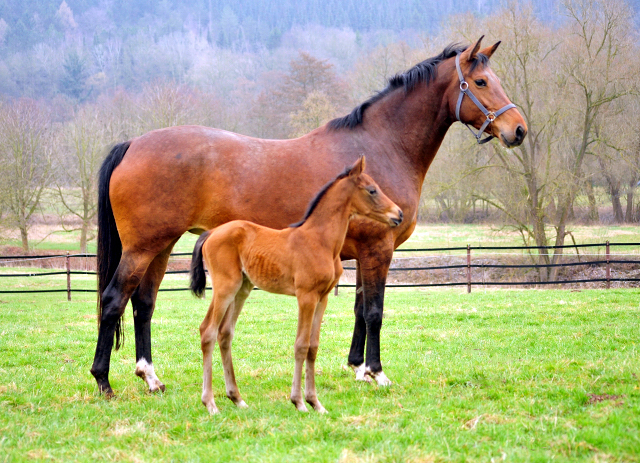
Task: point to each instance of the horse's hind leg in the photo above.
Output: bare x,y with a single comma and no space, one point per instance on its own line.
310,394
143,301
223,297
127,277
225,337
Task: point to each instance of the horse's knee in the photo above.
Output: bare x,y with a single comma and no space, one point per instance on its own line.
373,318
225,336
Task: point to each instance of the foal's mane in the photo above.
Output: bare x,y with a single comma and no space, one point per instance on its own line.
421,72
314,202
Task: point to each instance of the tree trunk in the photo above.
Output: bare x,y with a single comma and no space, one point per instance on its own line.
594,216
83,237
25,239
614,191
628,217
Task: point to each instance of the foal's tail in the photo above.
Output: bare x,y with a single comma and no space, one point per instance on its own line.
197,274
109,244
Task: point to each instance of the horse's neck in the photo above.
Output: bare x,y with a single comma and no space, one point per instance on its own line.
329,221
412,126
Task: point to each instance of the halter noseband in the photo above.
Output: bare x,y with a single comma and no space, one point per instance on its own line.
491,116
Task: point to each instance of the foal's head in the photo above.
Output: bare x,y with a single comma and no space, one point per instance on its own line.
369,200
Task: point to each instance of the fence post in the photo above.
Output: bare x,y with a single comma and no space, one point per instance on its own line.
468,269
68,278
608,267
335,290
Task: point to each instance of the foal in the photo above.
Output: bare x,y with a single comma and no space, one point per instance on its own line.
302,260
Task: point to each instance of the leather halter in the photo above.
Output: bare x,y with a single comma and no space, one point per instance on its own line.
491,116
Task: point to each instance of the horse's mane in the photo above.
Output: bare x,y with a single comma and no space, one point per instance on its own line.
314,202
421,72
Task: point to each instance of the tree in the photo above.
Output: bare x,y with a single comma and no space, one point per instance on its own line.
316,110
84,147
25,161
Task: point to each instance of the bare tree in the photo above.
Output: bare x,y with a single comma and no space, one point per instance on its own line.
25,160
83,145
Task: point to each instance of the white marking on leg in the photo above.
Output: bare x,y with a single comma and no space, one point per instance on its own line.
145,371
361,373
380,377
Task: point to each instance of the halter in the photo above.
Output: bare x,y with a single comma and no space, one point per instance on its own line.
491,116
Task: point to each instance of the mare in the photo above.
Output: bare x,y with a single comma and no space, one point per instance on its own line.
156,187
302,261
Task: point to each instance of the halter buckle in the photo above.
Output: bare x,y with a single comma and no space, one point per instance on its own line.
464,85
491,116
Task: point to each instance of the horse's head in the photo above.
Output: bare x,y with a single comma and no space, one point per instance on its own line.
478,99
369,200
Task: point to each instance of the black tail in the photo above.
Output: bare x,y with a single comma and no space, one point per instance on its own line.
109,244
197,274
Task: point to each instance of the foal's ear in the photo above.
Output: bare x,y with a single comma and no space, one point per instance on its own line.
490,50
358,167
473,51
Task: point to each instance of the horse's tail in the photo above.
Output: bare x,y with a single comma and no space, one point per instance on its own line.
109,244
197,274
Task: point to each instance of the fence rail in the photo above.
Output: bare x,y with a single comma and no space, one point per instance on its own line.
607,262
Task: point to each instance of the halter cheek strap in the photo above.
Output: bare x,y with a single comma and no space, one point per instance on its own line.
491,116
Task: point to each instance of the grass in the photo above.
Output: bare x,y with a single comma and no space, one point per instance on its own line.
488,376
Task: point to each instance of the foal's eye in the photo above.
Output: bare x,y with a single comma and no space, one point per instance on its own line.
372,191
481,83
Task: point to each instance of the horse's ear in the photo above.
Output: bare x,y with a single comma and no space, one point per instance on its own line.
473,51
358,167
490,50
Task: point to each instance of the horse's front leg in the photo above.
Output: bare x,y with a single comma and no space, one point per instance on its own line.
307,302
356,353
373,270
310,394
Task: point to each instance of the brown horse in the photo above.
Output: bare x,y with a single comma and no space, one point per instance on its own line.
301,261
158,186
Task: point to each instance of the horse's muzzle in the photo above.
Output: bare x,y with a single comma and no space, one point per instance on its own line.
395,221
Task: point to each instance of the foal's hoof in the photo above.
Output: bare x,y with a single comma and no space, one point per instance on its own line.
241,404
211,408
300,406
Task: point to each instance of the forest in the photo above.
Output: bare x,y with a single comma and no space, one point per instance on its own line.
78,76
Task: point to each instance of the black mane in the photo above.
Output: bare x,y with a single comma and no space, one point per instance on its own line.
421,72
314,202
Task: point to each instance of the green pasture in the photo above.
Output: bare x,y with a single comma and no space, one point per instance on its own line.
490,376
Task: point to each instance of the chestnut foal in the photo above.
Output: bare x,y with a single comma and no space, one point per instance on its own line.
302,260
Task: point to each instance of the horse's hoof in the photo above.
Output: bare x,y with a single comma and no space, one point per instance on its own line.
381,379
212,409
319,408
361,373
241,404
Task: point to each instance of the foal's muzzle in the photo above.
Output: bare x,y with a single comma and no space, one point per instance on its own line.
395,221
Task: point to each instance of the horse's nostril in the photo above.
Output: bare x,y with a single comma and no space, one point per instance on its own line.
520,132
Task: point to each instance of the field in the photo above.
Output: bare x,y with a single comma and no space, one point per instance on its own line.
490,376
48,236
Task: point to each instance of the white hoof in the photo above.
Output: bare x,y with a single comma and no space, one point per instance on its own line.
145,371
242,404
361,373
380,377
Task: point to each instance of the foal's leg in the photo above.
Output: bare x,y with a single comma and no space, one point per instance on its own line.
310,373
225,337
143,301
307,303
223,296
127,277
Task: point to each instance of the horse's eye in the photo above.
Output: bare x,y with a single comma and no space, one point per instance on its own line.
481,83
372,191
